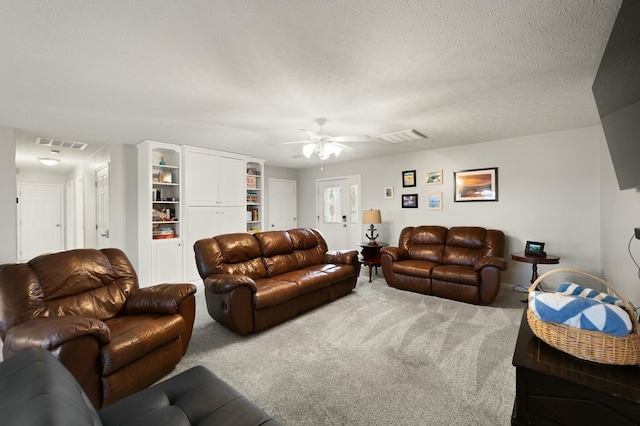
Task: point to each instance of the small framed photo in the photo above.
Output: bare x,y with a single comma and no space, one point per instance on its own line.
409,201
433,177
534,248
476,185
388,192
434,201
408,178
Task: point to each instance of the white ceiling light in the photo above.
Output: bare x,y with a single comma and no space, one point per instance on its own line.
49,161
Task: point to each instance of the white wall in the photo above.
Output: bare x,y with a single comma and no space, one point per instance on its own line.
8,194
620,211
549,190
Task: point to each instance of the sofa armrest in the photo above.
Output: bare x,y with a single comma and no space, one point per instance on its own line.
396,253
224,283
498,262
346,257
49,333
158,299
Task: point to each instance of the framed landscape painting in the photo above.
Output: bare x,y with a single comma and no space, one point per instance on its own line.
476,185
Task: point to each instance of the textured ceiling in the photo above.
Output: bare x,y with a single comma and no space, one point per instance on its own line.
243,75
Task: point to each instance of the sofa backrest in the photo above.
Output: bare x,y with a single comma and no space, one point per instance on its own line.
84,282
465,245
259,255
424,242
237,253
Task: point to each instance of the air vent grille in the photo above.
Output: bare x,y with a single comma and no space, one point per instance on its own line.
58,143
402,136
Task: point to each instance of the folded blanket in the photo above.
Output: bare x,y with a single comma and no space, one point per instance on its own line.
580,312
571,289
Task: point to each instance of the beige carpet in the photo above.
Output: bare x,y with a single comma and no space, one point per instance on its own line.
379,356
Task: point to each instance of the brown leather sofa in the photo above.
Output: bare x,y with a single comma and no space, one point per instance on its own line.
254,281
85,306
462,263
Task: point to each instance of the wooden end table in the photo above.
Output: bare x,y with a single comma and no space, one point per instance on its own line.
371,255
535,261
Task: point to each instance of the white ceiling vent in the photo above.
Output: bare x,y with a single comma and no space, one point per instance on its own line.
402,136
58,143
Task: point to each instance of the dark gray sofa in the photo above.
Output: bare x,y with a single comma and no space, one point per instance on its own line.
36,389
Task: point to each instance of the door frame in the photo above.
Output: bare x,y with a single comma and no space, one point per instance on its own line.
358,181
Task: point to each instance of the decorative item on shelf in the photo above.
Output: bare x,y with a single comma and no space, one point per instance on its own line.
252,197
162,162
252,183
253,171
371,217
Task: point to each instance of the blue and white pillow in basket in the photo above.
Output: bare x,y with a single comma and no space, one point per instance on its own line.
581,312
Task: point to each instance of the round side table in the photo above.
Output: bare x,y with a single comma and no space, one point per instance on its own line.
550,259
371,255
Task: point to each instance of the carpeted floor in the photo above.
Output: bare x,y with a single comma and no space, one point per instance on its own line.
379,356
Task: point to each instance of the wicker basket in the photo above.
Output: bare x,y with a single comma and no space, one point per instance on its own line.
585,344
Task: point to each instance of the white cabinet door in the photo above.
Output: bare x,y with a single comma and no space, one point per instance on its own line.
232,180
202,222
231,220
167,262
201,179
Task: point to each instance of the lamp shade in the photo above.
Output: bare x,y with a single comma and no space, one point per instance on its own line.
371,217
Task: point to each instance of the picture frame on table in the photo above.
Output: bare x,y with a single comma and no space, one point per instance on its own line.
534,248
409,201
476,185
408,178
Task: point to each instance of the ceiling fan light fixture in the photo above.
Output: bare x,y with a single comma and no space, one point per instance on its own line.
331,148
48,161
308,149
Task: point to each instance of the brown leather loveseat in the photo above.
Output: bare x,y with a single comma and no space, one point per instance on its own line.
85,307
462,263
254,281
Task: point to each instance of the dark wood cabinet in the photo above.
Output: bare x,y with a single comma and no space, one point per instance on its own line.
554,388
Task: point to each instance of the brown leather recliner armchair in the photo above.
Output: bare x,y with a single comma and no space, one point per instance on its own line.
85,306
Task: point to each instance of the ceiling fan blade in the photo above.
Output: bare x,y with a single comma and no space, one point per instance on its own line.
294,142
361,138
345,148
313,135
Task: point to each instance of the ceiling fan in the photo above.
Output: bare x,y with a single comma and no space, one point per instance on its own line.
325,145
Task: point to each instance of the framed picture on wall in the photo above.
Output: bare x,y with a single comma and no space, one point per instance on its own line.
409,201
408,178
388,192
476,185
434,201
433,177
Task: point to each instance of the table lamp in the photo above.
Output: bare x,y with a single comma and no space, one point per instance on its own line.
371,217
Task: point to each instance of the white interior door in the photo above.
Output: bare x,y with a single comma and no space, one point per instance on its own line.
282,205
102,207
70,226
338,212
40,220
78,201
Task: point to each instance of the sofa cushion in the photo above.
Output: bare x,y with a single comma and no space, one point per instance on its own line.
426,243
336,273
464,245
308,280
456,274
237,253
414,268
134,336
273,291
